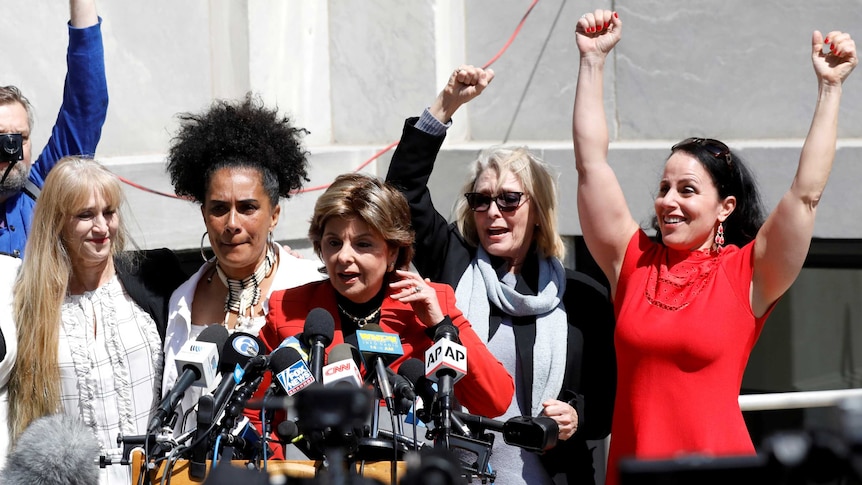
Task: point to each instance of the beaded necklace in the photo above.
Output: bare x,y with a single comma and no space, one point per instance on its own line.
244,294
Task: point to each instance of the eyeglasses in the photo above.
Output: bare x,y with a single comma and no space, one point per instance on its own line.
716,148
506,201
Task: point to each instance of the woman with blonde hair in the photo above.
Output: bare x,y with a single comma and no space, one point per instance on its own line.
551,327
90,318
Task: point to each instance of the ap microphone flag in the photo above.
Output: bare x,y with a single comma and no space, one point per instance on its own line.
445,355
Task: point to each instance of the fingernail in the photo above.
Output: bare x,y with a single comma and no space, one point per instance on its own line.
826,40
606,25
616,16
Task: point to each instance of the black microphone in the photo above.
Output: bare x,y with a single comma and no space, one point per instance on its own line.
240,361
317,335
413,370
56,449
198,361
445,363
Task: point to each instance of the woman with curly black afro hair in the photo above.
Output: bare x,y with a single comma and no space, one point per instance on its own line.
237,160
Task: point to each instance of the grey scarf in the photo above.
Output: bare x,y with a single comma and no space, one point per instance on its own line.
479,286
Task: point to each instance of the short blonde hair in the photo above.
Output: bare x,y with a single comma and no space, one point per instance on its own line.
540,185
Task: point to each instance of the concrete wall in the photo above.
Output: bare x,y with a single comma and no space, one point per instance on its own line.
351,70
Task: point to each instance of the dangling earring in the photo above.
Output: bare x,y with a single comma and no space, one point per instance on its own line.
269,238
719,236
391,267
204,256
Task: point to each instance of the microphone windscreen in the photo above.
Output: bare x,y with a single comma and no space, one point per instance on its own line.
215,334
412,369
373,327
283,358
447,331
238,350
344,352
319,324
56,449
287,430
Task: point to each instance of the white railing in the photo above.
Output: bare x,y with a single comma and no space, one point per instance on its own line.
795,400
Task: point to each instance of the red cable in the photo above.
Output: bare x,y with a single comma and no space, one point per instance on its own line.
388,147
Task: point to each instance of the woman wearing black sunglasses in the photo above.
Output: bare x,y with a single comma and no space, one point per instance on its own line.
691,306
551,327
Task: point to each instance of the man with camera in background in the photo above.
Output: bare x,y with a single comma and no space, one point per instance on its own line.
76,131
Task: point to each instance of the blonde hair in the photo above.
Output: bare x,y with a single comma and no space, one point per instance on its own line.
378,204
42,283
539,183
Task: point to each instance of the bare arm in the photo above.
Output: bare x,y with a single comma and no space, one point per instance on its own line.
82,13
605,219
782,243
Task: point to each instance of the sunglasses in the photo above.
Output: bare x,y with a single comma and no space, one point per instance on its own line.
506,201
716,148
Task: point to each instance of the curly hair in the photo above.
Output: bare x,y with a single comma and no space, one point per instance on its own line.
237,134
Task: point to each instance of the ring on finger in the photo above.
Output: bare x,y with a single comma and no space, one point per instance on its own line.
416,289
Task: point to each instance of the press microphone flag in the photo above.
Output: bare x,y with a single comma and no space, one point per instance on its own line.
290,371
342,369
202,355
446,356
197,362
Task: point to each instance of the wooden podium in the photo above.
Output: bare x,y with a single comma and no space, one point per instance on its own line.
378,470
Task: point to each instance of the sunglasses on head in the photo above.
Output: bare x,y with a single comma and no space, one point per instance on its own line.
506,201
716,148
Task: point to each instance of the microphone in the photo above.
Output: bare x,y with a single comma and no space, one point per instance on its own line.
317,335
413,370
290,372
445,363
403,391
378,349
342,370
239,357
536,434
56,449
197,362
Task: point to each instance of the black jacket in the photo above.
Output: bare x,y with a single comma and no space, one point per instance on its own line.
150,277
443,255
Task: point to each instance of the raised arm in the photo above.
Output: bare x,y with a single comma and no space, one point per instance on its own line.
78,127
605,219
82,13
413,162
782,243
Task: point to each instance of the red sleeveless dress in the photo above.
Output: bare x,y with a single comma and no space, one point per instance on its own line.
683,336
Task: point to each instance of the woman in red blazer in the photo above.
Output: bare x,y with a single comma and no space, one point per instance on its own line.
361,230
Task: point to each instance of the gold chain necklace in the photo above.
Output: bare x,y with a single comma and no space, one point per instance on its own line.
360,322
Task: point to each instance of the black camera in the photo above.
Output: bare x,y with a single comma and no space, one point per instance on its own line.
11,147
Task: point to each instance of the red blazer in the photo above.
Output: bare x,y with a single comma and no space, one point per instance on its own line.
486,389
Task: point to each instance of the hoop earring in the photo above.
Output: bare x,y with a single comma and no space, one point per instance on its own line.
204,256
719,236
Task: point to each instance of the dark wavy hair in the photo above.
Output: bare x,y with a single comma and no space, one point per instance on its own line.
237,134
730,178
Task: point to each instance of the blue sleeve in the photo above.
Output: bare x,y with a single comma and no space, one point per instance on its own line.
85,102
